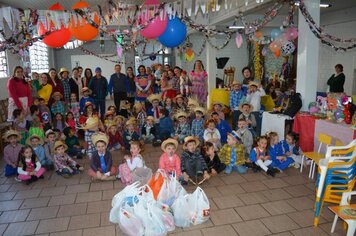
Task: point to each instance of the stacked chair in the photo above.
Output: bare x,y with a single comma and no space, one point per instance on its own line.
336,175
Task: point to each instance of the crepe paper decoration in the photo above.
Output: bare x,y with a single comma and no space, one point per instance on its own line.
238,40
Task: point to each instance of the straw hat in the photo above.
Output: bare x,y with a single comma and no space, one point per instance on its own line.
57,144
88,104
252,83
180,114
57,93
119,117
63,69
131,121
169,141
178,96
245,103
189,139
48,132
91,123
236,83
150,118
217,103
100,137
192,102
200,109
124,104
28,140
12,132
153,97
235,135
110,126
138,106
109,113
85,89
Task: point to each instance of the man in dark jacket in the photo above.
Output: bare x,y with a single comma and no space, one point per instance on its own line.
74,82
99,87
118,86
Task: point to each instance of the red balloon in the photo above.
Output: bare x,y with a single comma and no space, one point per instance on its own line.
56,39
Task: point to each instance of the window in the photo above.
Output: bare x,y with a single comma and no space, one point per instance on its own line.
3,65
39,57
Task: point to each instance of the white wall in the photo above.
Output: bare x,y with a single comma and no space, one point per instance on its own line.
12,61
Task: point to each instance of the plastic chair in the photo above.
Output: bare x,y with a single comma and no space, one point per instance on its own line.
346,197
316,156
338,143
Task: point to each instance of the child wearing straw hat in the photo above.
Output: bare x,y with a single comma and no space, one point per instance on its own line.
11,152
154,99
85,92
101,167
58,105
192,162
130,133
169,160
217,107
198,123
36,142
140,114
115,138
148,130
183,128
63,163
109,118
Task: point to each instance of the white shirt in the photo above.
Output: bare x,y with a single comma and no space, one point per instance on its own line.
255,98
136,162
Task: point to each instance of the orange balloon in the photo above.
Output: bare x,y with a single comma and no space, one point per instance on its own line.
80,5
277,53
56,39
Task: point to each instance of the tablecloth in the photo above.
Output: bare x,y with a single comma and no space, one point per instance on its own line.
275,123
304,125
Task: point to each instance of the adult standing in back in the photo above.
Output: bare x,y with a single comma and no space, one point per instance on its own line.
199,79
75,82
337,80
56,83
118,86
99,87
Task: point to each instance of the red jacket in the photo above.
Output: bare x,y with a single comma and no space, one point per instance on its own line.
17,88
115,139
168,165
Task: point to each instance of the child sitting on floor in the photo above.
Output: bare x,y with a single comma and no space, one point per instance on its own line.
234,154
11,152
133,164
180,104
212,159
72,142
36,142
115,139
130,133
292,149
183,128
246,135
259,156
101,167
29,167
276,152
212,134
58,122
198,123
249,117
49,145
140,114
192,162
168,104
63,163
169,160
148,130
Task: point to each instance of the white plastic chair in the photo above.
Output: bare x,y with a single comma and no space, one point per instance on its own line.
346,197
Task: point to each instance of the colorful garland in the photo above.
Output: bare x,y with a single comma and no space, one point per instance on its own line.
258,62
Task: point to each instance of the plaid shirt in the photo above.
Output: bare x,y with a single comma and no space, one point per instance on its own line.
75,108
63,161
58,107
198,128
239,149
183,130
66,87
236,97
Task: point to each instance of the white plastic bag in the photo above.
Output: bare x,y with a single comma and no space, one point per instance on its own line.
130,224
142,175
181,212
199,206
154,225
175,190
166,216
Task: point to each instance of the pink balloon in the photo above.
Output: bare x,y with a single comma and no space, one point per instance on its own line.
156,27
292,33
275,46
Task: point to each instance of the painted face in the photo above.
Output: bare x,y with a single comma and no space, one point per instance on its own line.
134,150
246,109
170,150
60,150
191,146
100,147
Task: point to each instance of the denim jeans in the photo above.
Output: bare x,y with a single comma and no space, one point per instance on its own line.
240,169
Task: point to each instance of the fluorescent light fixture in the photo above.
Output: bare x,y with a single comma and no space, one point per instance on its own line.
236,27
322,5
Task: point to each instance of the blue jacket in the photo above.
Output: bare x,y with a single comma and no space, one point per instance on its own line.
276,150
166,125
223,128
253,154
287,148
99,88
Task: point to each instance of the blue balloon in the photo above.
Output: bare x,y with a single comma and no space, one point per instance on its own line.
174,34
275,33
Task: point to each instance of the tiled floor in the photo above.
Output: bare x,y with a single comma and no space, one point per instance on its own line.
251,204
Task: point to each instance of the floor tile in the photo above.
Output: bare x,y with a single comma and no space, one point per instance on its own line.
6,196
250,177
251,212
3,228
32,193
233,179
4,187
227,202
54,191
251,228
295,180
233,189
339,229
62,200
212,192
253,186
223,217
298,191
206,224
100,206
283,234
19,187
53,225
301,203
10,205
312,231
77,232
188,233
67,182
84,221
278,207
277,224
275,183
72,210
252,198
77,188
102,231
276,194
109,194
35,202
88,197
220,230
14,216
43,213
21,228
104,219
305,218
107,185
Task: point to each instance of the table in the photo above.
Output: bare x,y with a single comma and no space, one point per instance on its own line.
338,131
275,123
304,125
349,219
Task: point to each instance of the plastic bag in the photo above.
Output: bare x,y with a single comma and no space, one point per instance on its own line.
175,190
181,211
142,175
130,224
157,181
154,225
125,174
166,216
200,207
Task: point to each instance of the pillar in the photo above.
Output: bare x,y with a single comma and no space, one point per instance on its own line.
308,55
211,68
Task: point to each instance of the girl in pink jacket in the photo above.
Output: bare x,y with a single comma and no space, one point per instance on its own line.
169,161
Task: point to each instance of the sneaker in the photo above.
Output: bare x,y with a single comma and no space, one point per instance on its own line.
17,179
271,172
296,165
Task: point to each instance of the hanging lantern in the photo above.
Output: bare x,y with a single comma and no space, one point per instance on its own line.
57,38
83,30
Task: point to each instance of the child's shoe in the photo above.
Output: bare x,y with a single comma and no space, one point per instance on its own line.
271,172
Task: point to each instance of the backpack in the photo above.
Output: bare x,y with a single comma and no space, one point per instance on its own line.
295,104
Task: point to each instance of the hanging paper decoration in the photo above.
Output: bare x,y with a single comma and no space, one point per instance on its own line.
258,63
83,30
189,55
174,34
158,25
288,48
238,40
57,38
119,51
